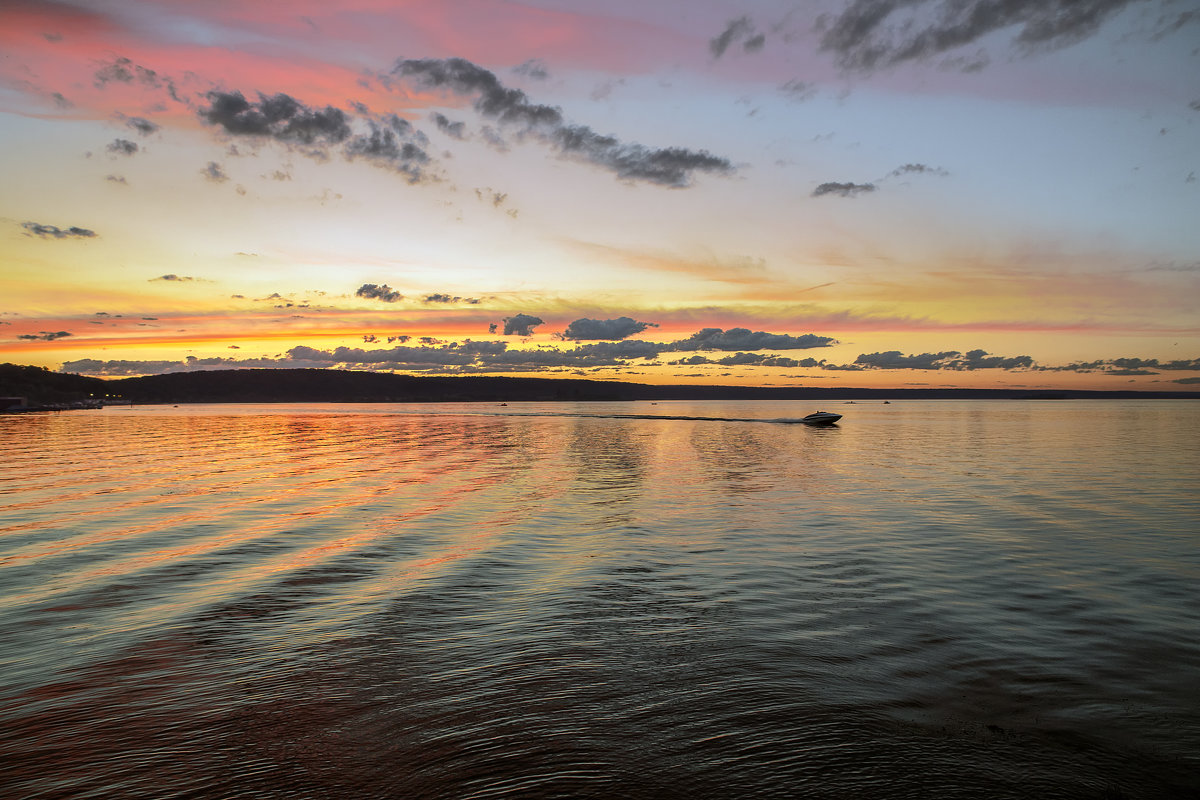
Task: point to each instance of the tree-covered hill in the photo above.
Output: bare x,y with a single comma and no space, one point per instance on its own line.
40,386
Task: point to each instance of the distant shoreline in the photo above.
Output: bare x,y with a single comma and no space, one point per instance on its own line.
43,388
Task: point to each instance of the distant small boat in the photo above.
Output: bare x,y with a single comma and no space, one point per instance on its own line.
821,418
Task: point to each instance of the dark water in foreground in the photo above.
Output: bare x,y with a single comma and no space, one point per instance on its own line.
931,600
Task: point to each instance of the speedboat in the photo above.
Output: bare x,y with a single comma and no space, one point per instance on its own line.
821,418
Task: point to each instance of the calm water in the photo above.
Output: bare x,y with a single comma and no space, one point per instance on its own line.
932,599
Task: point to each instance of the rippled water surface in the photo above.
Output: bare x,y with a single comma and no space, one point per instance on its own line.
930,599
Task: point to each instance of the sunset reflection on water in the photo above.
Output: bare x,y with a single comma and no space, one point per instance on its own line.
931,598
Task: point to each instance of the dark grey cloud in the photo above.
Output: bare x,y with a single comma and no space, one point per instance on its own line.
745,339
668,166
385,140
44,336
691,361
445,298
54,232
917,169
1154,363
173,278
116,179
445,355
142,125
455,130
122,147
434,356
671,166
1186,380
948,360
740,29
214,172
875,34
843,189
750,359
470,356
61,101
620,351
1127,366
533,68
605,329
385,145
493,99
373,291
279,117
521,325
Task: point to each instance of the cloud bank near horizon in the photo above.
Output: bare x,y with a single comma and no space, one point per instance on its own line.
746,349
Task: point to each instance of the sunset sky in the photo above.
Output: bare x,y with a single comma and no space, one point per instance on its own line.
862,193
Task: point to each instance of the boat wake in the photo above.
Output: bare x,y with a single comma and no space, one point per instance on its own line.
681,417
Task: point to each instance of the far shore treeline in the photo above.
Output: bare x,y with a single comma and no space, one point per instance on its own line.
39,386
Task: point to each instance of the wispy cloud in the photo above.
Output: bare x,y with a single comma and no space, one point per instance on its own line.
214,173
874,34
917,169
142,125
124,70
1128,366
737,30
843,189
950,359
54,232
44,336
673,167
798,90
533,68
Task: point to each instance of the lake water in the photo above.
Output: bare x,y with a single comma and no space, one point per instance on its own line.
933,599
